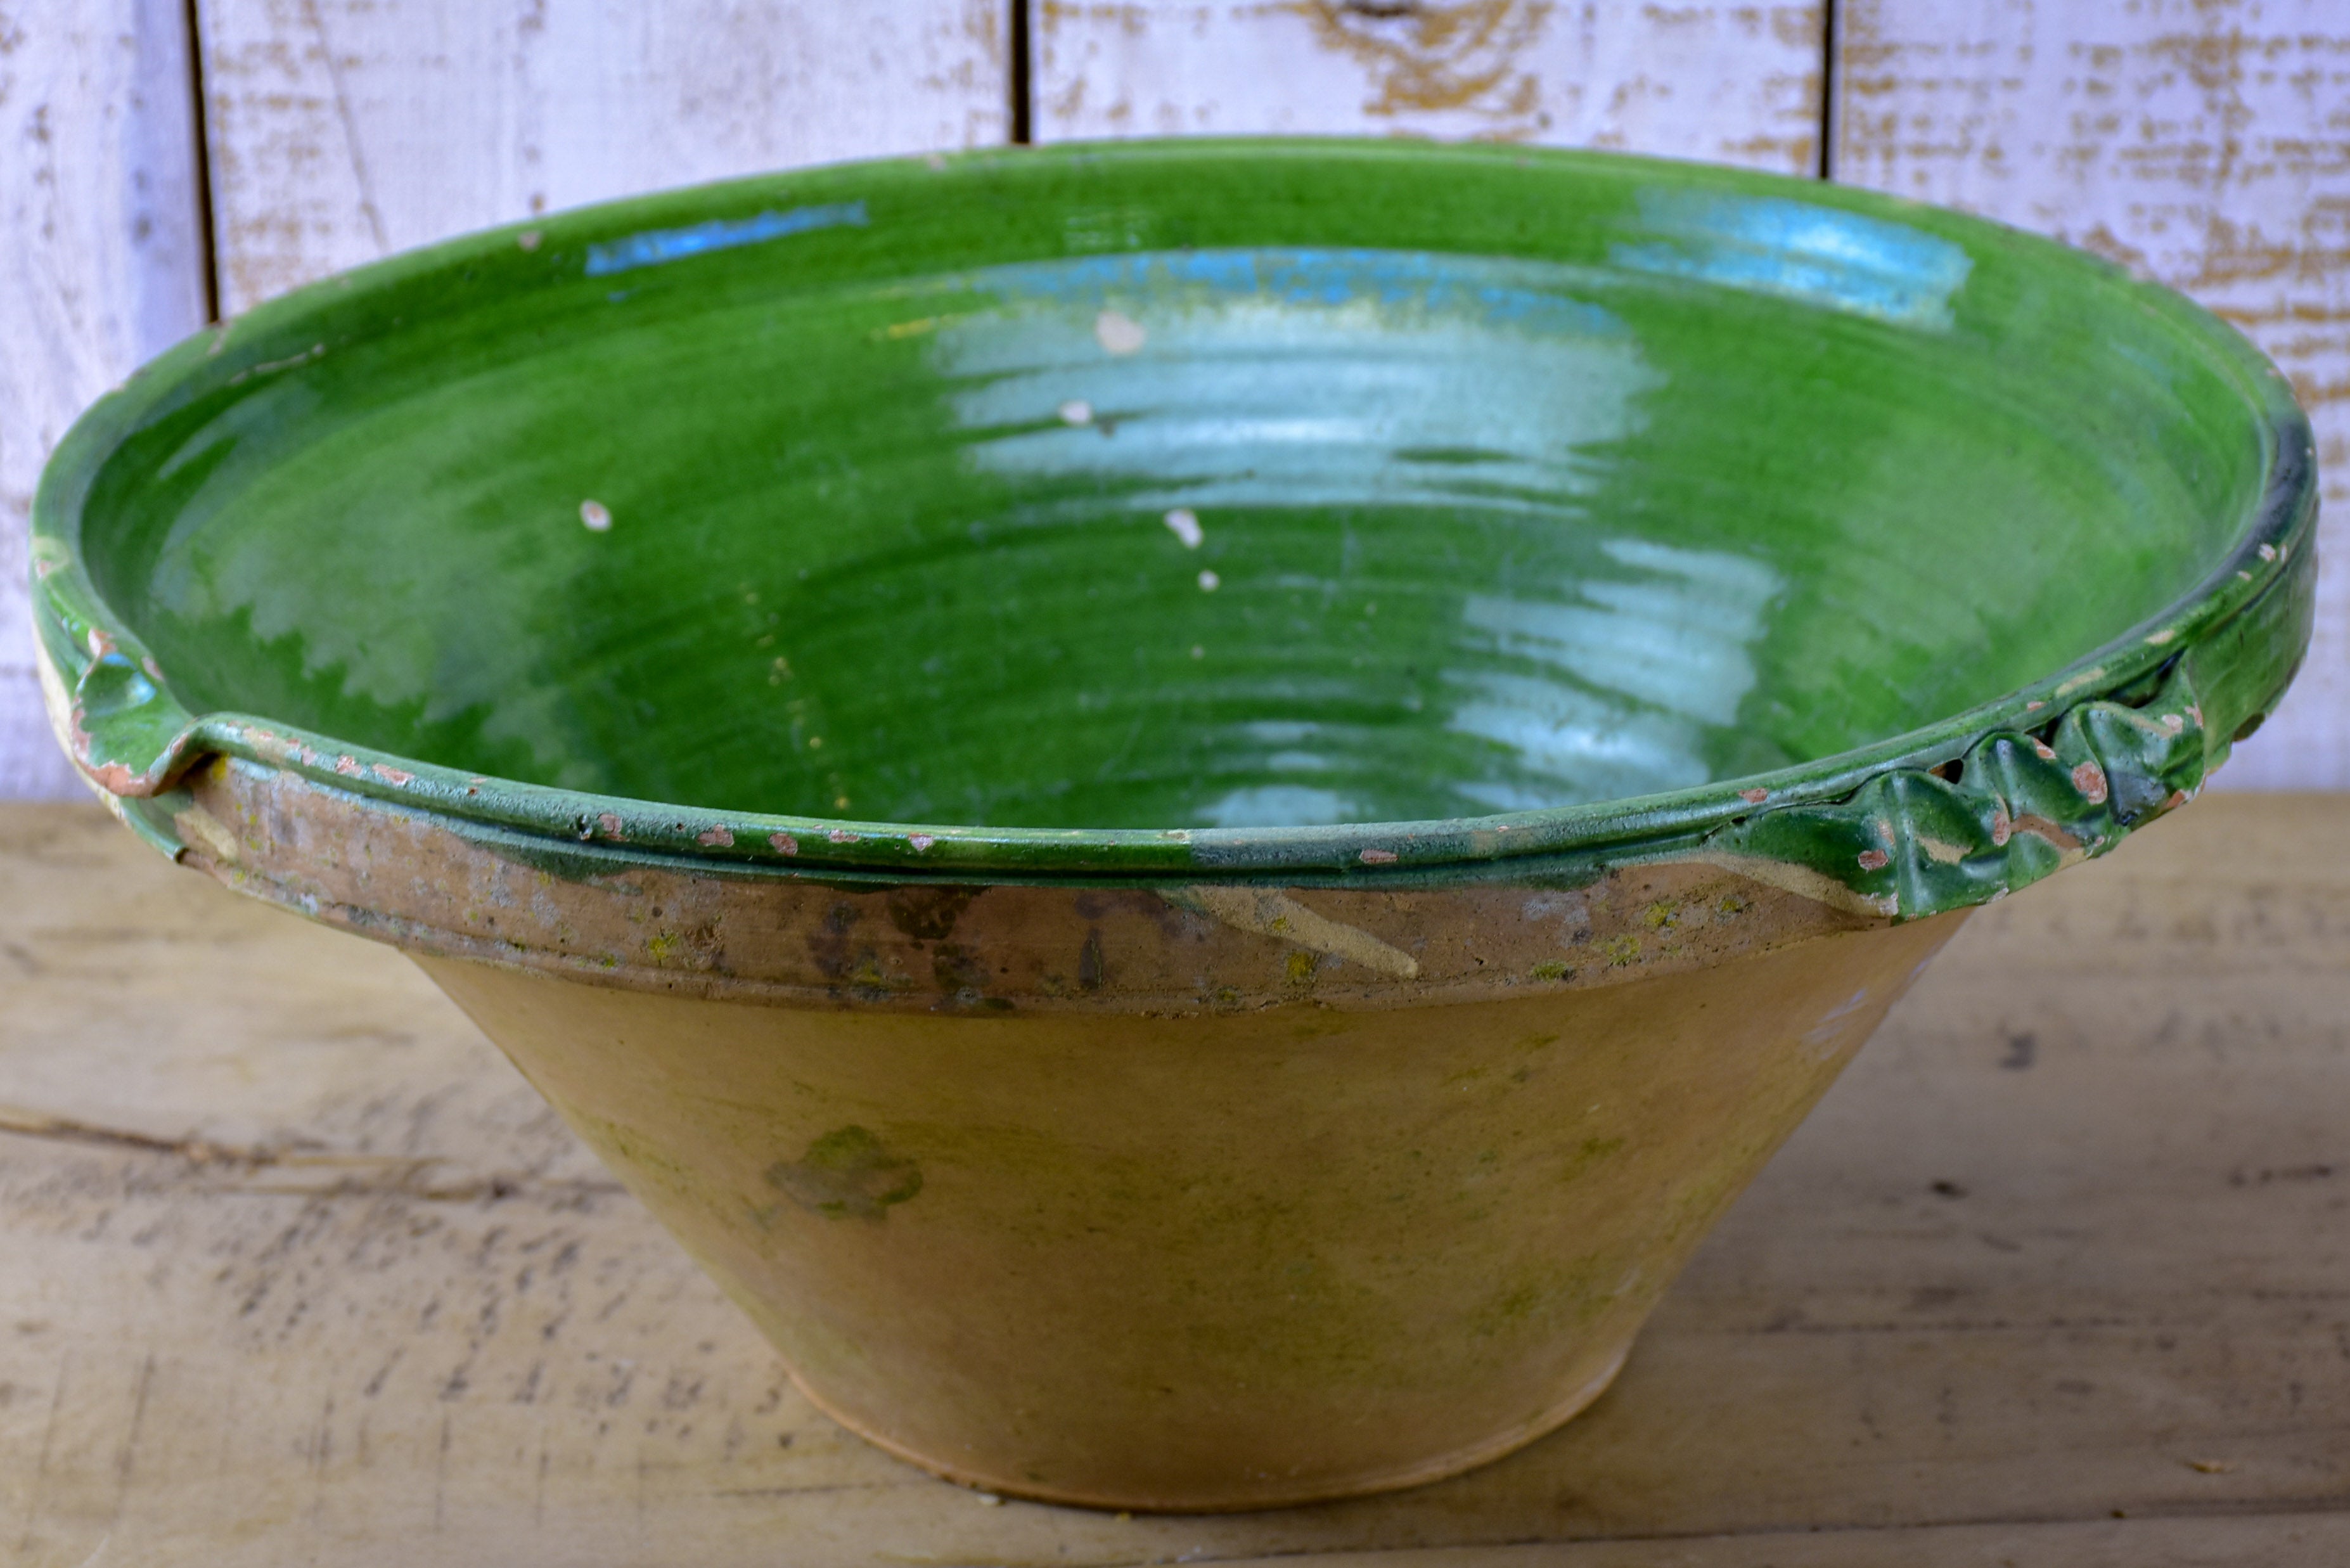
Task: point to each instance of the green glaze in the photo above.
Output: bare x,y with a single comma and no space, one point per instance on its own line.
1320,509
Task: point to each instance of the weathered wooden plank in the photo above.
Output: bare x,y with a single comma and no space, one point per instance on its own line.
101,264
2288,1541
1733,83
342,129
2205,142
291,1269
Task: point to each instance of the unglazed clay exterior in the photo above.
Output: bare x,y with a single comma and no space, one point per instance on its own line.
1178,1197
1247,1257
1187,808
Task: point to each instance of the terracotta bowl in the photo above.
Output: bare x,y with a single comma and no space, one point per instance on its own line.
1187,808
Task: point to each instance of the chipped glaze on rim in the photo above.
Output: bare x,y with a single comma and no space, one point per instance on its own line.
1933,819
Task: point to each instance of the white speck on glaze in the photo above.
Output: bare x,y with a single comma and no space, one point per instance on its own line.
528,239
921,842
596,515
1210,582
1077,412
1197,651
1119,333
1184,523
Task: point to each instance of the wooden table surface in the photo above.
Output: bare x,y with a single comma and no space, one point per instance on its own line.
295,1268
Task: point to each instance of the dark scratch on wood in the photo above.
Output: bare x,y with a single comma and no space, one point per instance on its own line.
350,127
41,1465
824,1490
322,1450
123,1460
64,1129
348,1175
441,1474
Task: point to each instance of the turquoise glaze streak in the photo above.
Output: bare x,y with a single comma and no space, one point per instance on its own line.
1310,506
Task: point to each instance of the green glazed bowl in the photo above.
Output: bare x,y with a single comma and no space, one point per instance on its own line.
1187,807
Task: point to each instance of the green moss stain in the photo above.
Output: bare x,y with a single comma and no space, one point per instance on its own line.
1562,1296
848,1174
1590,1152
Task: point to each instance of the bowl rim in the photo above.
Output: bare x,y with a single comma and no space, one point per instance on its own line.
134,741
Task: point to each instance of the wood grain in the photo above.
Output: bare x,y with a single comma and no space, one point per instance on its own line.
343,129
2203,142
1732,83
294,1269
100,267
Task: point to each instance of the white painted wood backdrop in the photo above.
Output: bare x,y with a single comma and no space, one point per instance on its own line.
2205,142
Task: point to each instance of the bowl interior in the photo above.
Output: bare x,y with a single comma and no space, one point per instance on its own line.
1189,489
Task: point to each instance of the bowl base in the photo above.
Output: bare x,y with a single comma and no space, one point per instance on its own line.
1441,1468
